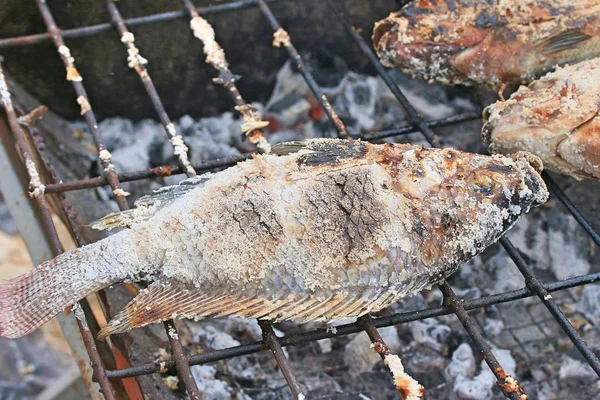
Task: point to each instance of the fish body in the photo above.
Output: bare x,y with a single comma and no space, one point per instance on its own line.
557,118
326,230
488,43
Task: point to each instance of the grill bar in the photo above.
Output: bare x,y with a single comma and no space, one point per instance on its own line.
534,284
284,39
560,195
510,388
271,340
90,117
38,193
215,56
137,62
347,329
181,363
92,30
168,170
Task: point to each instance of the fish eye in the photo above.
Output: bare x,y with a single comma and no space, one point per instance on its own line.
483,184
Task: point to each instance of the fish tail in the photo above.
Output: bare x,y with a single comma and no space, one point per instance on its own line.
30,300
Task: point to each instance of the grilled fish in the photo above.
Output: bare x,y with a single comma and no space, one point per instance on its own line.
556,118
489,43
322,230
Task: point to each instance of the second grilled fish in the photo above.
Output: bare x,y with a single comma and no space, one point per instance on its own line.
328,229
556,118
476,42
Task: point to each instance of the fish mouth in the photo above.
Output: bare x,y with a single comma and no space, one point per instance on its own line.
532,167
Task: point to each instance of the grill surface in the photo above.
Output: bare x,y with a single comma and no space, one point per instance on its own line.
181,361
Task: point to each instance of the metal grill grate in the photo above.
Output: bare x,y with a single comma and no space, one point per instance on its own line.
181,361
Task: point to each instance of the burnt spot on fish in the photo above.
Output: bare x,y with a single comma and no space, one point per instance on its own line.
331,152
486,20
500,168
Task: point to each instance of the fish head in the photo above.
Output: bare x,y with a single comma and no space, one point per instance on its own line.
425,36
554,118
465,180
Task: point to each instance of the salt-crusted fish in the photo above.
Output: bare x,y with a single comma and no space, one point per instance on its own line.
327,229
477,42
556,118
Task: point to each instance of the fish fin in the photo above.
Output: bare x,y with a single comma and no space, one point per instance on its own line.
283,149
323,151
563,41
32,299
163,300
147,206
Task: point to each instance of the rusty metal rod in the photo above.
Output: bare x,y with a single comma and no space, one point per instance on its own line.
82,98
137,63
272,342
168,170
27,40
414,117
37,192
536,287
181,363
341,330
297,60
509,386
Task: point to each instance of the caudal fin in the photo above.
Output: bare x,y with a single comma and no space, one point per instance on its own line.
30,300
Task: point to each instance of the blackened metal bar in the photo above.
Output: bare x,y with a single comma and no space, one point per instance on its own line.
509,385
272,341
37,191
536,287
560,195
168,170
215,56
99,28
454,119
284,39
347,329
82,98
366,323
414,117
181,362
157,172
137,63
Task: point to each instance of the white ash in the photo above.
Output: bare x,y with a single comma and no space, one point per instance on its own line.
213,338
325,345
572,369
430,333
588,303
463,362
359,355
469,386
211,387
494,326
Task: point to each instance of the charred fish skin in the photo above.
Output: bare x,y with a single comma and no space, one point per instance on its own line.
556,118
325,230
487,43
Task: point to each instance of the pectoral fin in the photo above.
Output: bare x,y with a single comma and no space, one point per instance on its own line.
567,40
162,301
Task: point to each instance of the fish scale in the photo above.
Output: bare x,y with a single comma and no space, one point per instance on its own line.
321,230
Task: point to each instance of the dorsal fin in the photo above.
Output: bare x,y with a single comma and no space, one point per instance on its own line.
163,300
323,151
567,40
147,206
